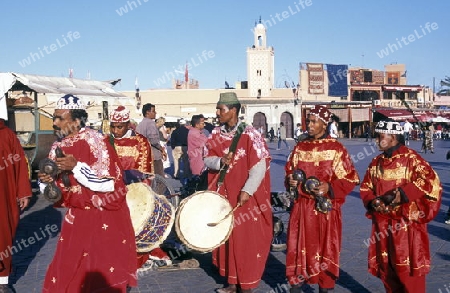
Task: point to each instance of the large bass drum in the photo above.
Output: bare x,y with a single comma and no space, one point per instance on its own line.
152,216
193,215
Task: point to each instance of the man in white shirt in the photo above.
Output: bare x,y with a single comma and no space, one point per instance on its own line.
407,127
333,129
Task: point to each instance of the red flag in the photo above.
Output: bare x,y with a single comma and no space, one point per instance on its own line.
186,74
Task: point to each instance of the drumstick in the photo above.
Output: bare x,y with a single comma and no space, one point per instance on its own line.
226,216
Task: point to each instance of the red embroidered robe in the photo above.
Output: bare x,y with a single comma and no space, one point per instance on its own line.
242,258
14,184
134,153
314,238
96,251
400,239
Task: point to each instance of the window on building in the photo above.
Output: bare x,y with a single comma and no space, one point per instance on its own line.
387,95
412,96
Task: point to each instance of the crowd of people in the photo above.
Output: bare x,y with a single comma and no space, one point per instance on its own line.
97,252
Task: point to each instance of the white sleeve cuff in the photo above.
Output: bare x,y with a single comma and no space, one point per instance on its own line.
212,163
42,186
86,177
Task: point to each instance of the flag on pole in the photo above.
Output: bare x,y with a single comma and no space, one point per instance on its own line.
186,74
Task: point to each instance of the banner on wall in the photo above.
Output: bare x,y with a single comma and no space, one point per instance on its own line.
337,80
378,77
315,78
393,77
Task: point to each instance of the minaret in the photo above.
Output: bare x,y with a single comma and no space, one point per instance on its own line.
260,64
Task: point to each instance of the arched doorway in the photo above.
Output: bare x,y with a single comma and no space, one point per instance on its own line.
288,121
259,119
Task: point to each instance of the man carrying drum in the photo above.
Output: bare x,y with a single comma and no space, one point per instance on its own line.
242,153
135,155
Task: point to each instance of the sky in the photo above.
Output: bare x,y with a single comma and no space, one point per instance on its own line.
150,41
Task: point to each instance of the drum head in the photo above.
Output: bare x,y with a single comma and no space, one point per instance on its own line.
193,215
141,202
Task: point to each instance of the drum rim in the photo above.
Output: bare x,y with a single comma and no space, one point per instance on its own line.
180,234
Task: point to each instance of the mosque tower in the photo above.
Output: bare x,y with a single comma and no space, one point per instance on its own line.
260,64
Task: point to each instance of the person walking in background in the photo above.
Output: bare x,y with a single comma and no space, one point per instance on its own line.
282,136
333,129
96,251
315,224
407,128
196,144
271,134
427,141
438,131
163,139
179,145
298,132
15,193
242,258
147,127
400,190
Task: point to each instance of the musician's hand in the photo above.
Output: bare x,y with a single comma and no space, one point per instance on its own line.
226,160
97,202
243,198
379,206
45,178
322,189
397,197
66,163
291,182
23,202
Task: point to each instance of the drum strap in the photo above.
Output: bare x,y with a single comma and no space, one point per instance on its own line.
232,149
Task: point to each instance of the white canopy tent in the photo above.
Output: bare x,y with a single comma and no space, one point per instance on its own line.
31,99
91,92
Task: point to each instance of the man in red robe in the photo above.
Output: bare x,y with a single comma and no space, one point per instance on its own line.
133,149
96,251
135,155
15,193
242,258
315,231
401,193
